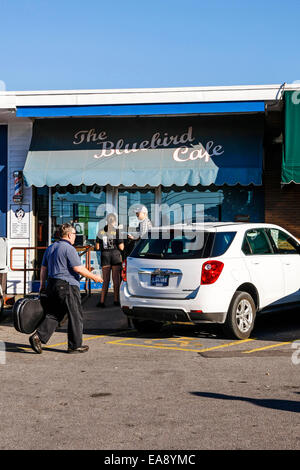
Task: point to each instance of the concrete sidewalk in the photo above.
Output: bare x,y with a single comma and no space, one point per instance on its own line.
108,318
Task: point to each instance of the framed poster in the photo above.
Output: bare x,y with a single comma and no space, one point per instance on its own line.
79,227
19,221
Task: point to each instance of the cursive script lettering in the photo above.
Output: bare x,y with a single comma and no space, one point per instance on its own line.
203,152
182,153
157,140
88,136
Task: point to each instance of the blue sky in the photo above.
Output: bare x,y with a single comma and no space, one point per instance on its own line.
95,44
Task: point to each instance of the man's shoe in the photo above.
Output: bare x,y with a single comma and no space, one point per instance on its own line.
35,343
101,305
81,349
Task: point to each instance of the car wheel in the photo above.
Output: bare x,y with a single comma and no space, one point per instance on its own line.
240,316
147,326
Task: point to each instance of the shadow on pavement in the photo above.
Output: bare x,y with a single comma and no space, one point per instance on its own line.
280,405
281,326
26,348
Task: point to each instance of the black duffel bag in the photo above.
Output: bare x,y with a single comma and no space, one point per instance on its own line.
28,313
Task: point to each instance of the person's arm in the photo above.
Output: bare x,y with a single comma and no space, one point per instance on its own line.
43,277
83,271
119,241
44,271
75,263
136,236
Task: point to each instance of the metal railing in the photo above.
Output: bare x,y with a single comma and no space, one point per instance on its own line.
82,250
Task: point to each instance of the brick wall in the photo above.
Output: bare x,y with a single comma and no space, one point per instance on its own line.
282,204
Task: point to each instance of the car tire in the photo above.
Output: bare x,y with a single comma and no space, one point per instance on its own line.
240,317
147,326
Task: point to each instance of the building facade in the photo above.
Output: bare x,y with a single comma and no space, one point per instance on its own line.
187,154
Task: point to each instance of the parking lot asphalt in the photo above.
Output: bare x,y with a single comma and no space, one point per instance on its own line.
183,389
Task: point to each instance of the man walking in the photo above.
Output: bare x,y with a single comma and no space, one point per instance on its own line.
62,267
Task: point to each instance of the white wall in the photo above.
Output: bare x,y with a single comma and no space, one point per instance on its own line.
19,137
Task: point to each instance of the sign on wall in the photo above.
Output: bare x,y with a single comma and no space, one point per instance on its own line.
19,221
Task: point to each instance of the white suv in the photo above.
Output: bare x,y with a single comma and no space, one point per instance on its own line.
211,273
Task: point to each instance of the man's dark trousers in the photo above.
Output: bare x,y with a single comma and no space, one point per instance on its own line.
62,298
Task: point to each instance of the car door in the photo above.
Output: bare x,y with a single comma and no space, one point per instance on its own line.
288,252
264,266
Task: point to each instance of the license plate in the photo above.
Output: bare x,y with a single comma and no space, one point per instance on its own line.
159,280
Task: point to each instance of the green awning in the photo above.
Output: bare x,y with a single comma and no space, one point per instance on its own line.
291,149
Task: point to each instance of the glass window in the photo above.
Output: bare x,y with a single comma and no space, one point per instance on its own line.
258,242
129,200
84,208
222,242
41,213
183,205
243,204
246,247
226,204
283,242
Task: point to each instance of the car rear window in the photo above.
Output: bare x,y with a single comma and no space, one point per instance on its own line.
172,245
186,245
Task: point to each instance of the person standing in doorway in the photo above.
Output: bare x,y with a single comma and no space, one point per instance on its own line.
111,246
144,223
61,268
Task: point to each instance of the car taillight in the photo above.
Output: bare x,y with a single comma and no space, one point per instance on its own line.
124,269
211,270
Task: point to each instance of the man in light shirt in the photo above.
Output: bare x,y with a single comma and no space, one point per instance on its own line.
144,223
